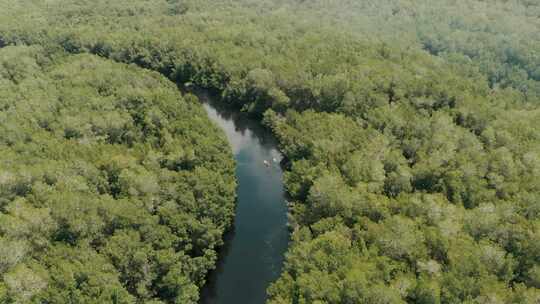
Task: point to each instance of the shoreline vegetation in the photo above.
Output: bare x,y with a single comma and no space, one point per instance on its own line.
412,133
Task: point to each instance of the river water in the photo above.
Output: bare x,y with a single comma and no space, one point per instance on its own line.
254,250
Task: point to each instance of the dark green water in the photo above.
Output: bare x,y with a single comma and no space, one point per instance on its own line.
254,250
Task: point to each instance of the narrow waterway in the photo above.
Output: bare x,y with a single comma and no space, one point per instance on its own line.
253,254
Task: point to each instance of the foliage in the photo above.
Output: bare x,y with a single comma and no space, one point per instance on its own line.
411,130
111,183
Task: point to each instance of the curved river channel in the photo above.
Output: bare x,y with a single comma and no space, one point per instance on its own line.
254,250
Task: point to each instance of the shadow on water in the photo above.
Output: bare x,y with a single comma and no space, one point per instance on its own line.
253,254
242,122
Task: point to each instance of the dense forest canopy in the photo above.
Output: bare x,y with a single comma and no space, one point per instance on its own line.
113,187
411,128
500,38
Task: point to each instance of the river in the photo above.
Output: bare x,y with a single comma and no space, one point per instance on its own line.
253,253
